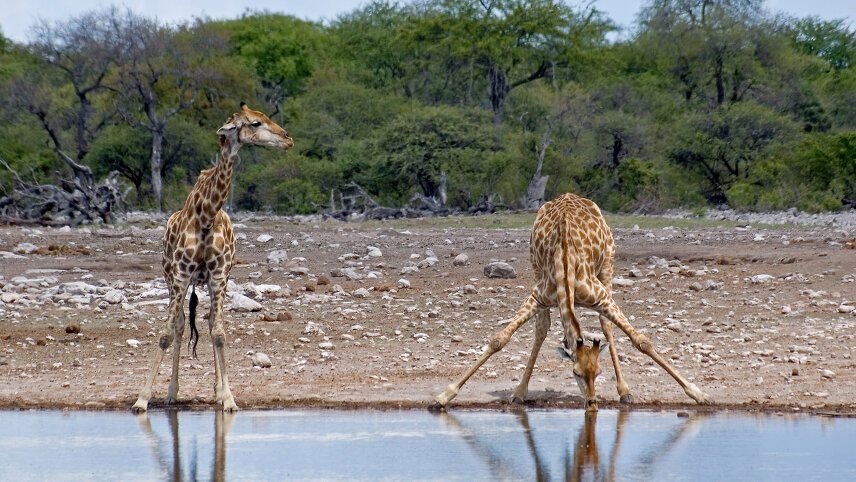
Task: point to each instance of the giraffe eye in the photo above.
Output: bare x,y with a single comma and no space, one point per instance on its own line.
255,123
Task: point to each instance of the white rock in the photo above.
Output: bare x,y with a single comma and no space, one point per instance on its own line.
25,248
845,308
265,289
114,297
762,278
427,263
10,255
622,282
277,256
261,360
461,260
313,328
470,290
374,252
80,288
352,274
828,374
326,345
403,283
133,343
264,238
360,293
244,304
409,270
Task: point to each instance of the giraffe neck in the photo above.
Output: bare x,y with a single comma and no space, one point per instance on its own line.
213,186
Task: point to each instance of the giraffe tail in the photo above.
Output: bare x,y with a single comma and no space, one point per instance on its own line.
194,333
564,267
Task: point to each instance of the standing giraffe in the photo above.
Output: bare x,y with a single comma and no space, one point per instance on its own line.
199,247
573,257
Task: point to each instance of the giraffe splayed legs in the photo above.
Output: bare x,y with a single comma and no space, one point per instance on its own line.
573,256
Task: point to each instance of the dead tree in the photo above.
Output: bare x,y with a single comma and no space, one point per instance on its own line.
534,197
73,202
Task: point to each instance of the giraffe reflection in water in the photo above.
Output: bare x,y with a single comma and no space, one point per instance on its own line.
582,461
222,426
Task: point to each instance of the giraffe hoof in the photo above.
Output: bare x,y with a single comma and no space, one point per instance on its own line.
140,407
518,400
436,407
230,406
626,399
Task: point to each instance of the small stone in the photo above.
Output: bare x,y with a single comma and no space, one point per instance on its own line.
360,293
827,374
243,303
845,308
25,248
470,290
426,263
313,328
461,260
622,282
762,278
114,297
795,372
500,269
261,360
403,283
457,338
696,286
277,256
322,280
373,252
133,343
264,238
326,345
786,310
72,328
284,316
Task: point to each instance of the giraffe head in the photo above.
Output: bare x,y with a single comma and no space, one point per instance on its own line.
586,360
253,127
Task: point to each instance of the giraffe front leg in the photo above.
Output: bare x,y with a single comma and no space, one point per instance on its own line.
624,395
542,326
497,342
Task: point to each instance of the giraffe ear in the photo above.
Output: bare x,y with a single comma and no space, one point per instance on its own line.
565,353
226,129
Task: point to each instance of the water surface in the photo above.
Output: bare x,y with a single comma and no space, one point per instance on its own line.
417,445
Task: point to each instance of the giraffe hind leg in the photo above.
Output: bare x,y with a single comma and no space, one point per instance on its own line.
607,307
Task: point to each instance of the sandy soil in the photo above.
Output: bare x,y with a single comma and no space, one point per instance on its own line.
778,342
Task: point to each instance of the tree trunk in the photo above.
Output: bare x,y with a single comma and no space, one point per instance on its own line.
538,184
498,90
156,166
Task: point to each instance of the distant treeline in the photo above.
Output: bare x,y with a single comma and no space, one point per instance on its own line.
705,102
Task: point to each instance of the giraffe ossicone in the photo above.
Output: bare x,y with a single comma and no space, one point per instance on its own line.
199,248
573,258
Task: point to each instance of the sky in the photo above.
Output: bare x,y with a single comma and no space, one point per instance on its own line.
18,16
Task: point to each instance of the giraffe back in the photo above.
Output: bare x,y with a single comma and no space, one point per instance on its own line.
576,224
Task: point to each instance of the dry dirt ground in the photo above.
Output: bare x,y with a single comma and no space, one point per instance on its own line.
758,317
